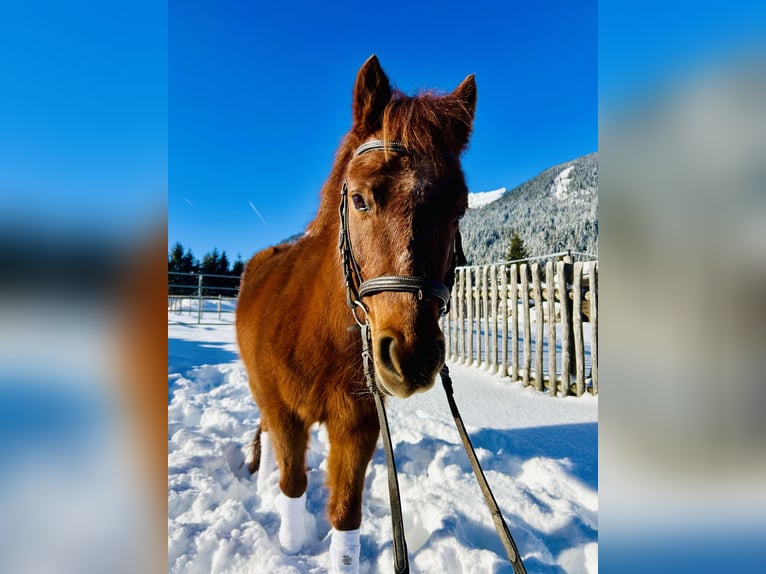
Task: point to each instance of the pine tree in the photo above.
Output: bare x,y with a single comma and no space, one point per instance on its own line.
223,264
180,262
238,267
175,257
188,263
210,262
215,263
516,248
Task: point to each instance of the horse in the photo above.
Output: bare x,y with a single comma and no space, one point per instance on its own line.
398,170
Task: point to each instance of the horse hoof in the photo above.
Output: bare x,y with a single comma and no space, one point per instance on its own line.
344,552
292,528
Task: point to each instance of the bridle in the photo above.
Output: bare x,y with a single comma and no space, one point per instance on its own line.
356,287
356,290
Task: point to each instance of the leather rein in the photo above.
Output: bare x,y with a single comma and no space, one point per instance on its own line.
356,290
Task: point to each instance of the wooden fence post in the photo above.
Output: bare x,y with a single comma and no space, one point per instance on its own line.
550,290
568,277
539,326
579,351
484,316
524,292
593,287
513,302
460,325
493,319
455,314
503,321
469,315
566,329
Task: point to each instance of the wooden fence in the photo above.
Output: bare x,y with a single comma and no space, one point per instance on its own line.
500,313
510,319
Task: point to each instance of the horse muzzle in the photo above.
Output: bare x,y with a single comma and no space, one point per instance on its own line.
404,366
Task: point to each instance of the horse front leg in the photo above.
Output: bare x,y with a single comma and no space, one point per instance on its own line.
351,448
289,436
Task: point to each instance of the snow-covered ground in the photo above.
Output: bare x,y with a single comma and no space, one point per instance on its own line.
539,454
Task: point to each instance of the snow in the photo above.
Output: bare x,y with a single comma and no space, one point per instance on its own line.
481,198
539,454
562,189
560,185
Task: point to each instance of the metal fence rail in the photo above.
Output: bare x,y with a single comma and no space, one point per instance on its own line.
202,297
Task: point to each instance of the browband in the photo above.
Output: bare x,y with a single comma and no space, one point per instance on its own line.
379,145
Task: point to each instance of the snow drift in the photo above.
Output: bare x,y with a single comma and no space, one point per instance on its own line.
539,454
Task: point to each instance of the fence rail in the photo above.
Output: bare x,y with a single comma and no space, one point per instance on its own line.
535,323
206,297
547,312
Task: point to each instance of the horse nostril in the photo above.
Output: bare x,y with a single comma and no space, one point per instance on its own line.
407,365
387,354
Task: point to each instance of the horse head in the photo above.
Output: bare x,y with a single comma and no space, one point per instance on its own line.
405,194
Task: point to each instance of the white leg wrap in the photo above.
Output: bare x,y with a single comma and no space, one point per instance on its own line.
268,462
344,552
292,528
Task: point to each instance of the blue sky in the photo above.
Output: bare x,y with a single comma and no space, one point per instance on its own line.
259,96
83,116
649,46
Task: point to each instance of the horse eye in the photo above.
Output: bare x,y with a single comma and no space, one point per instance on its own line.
359,203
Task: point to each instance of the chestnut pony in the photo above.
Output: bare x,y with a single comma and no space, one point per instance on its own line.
294,326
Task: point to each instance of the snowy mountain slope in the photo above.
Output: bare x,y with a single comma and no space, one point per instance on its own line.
554,211
539,453
560,188
480,198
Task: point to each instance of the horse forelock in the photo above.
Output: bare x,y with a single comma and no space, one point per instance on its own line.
428,124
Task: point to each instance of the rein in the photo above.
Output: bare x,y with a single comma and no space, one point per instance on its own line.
356,289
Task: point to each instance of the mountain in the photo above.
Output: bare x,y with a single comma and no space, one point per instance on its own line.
554,211
477,199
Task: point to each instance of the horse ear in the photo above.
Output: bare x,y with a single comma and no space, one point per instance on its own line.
372,92
465,96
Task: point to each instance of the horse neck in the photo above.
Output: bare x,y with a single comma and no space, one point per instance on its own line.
329,308
324,232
